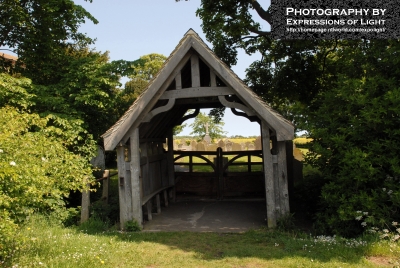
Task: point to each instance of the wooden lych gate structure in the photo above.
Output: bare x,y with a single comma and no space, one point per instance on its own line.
192,78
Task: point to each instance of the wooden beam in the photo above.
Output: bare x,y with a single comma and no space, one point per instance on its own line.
236,105
178,81
194,60
150,96
159,110
268,176
284,129
213,79
136,186
250,118
186,117
196,92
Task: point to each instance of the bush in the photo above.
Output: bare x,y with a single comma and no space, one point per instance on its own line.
356,139
37,172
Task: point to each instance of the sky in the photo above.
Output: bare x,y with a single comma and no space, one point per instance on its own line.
129,29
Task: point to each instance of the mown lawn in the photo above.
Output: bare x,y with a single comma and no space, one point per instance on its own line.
91,245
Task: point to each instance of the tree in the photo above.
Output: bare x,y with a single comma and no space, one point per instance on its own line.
143,70
38,31
356,139
199,127
87,91
228,25
38,165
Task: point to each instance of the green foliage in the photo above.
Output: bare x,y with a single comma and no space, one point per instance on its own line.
13,91
37,171
356,138
36,174
343,92
147,66
133,226
142,71
286,223
38,30
10,239
84,91
199,129
229,25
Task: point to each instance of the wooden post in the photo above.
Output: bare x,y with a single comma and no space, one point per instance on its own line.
276,176
158,202
125,205
85,204
149,208
170,158
106,186
195,70
268,175
283,179
220,173
165,198
134,166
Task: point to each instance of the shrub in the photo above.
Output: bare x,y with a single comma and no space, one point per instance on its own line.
356,139
37,172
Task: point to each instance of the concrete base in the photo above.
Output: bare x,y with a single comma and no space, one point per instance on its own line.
210,216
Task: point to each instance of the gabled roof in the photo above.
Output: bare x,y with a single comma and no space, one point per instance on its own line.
191,44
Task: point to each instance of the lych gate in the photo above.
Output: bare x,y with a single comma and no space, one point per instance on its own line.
193,77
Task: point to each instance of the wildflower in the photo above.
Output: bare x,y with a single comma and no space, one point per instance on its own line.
398,230
390,192
363,224
359,218
102,262
394,223
276,245
1,151
384,189
12,163
359,211
44,159
385,230
365,213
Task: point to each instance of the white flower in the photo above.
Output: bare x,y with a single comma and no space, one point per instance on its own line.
359,211
363,224
1,151
394,223
398,230
359,218
390,192
365,213
383,189
44,159
12,163
385,230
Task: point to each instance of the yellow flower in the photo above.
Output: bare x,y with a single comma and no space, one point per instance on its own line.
102,262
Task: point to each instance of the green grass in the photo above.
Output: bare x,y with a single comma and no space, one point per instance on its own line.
91,245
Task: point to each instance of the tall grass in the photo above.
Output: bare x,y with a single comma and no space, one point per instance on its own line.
90,245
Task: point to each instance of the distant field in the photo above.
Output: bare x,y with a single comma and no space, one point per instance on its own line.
302,140
235,140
